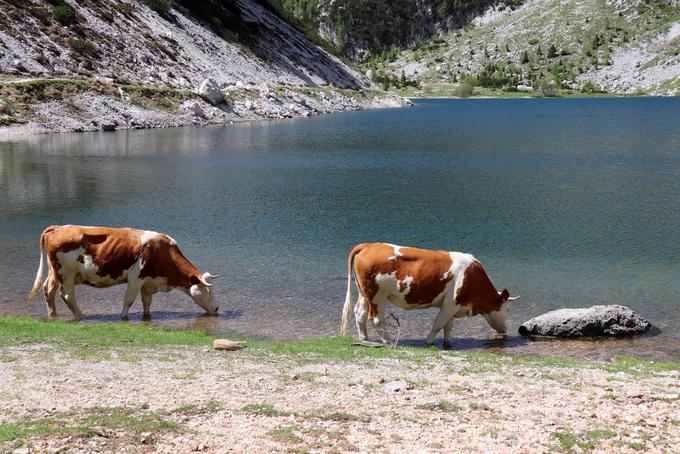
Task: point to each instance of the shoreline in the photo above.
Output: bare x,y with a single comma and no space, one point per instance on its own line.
131,388
46,106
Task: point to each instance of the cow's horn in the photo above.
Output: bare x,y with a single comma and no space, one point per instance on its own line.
211,276
513,298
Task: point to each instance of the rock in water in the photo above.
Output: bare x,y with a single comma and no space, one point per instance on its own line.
210,91
611,320
226,344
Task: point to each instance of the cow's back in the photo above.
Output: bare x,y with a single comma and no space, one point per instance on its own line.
112,250
421,275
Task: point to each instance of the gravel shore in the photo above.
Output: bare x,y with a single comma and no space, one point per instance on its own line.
185,399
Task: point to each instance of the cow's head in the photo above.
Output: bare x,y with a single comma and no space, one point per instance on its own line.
497,318
202,294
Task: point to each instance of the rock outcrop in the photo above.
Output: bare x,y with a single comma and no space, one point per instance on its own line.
594,321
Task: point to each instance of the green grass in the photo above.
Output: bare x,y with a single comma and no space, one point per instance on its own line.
442,405
264,409
587,440
119,340
86,423
285,434
41,427
22,330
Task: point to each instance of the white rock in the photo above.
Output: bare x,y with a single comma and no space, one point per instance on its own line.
395,386
210,91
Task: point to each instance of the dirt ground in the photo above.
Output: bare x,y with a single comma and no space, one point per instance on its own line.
190,399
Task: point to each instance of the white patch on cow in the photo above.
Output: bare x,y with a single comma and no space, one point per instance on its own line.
407,282
148,235
397,252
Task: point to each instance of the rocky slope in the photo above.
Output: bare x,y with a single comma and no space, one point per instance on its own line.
617,46
85,65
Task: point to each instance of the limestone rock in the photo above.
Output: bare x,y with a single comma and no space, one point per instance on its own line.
210,91
613,320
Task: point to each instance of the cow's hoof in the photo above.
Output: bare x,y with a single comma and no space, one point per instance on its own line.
146,317
448,346
125,318
77,318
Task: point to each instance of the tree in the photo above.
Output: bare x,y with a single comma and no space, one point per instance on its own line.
523,57
552,51
402,79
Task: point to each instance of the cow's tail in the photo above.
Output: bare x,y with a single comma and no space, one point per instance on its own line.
39,274
347,308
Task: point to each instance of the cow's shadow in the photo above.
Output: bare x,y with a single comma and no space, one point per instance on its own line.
188,316
471,343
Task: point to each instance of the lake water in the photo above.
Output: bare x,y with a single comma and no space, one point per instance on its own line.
567,202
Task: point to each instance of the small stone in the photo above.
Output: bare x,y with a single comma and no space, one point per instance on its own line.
226,344
396,386
22,451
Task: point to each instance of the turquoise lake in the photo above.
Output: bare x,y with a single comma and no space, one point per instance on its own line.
567,202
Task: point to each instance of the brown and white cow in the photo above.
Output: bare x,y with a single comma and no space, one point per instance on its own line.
148,262
413,278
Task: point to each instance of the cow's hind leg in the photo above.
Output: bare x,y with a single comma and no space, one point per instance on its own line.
68,294
50,287
146,302
446,313
361,316
379,318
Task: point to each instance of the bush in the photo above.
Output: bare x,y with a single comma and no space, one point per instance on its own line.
83,47
465,89
64,14
548,88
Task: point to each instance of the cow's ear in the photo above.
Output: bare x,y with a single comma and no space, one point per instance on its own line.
194,280
505,294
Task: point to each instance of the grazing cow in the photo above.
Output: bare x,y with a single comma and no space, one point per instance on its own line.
148,262
413,278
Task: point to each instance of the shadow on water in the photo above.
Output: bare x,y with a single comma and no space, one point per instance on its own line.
471,343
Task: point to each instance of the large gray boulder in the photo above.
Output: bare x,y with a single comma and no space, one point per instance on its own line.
211,92
611,320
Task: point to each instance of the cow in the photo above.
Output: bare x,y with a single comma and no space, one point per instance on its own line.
413,278
148,262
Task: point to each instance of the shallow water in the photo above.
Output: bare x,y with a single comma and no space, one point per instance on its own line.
567,202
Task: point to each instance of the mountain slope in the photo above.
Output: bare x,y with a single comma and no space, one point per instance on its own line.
141,61
623,46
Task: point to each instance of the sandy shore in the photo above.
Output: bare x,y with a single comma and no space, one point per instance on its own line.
184,399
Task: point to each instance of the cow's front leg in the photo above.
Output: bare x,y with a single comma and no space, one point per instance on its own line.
448,342
133,289
445,315
146,302
361,316
68,294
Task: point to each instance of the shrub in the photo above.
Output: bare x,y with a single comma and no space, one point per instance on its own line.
64,14
83,47
465,89
523,57
548,88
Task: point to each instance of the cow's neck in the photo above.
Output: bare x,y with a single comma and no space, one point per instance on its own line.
478,291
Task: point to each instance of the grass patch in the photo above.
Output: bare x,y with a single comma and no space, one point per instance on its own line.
442,405
345,417
112,340
23,330
285,434
264,409
86,423
40,427
585,440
